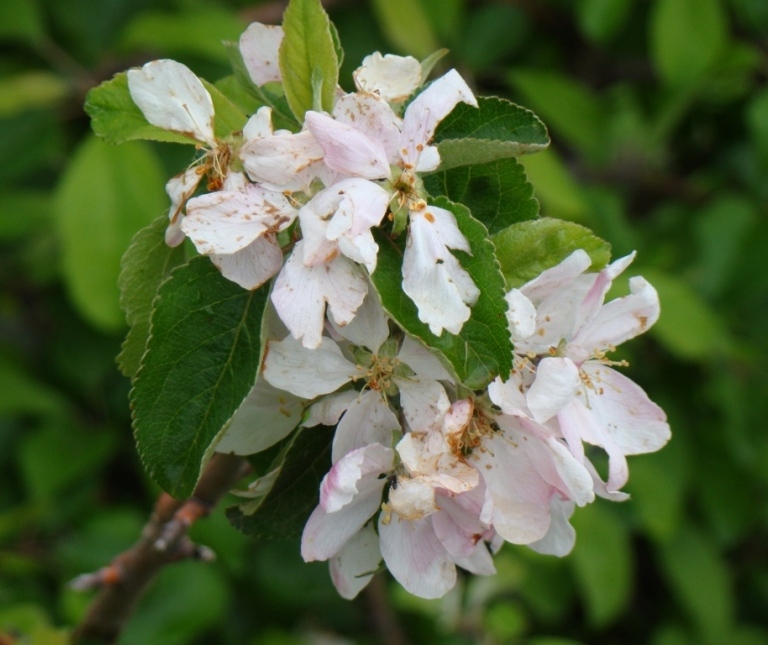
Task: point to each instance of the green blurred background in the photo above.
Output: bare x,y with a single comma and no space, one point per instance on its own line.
658,111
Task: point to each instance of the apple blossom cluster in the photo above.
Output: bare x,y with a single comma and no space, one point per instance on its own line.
427,476
339,177
427,473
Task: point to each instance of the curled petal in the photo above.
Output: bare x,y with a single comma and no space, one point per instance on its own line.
373,117
356,473
557,380
393,78
284,161
173,98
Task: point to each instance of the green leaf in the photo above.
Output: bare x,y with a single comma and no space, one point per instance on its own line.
145,265
559,193
116,118
699,578
582,124
602,562
406,25
497,193
20,393
24,212
30,90
308,51
196,31
201,361
21,20
688,327
526,249
283,511
687,38
497,129
483,349
105,196
601,20
227,116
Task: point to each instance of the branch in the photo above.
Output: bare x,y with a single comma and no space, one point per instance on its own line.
163,540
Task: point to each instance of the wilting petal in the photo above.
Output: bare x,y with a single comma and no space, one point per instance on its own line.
301,293
412,499
259,46
422,361
173,98
348,150
252,266
307,373
227,221
432,276
370,327
328,410
283,161
180,188
354,565
355,474
427,110
552,280
416,558
393,78
424,403
521,315
373,117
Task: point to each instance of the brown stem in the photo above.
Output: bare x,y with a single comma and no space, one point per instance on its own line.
384,617
162,541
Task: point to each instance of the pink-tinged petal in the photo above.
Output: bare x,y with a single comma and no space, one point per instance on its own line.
370,326
348,150
519,494
552,280
416,558
328,410
422,361
428,109
424,403
373,117
393,78
521,315
259,46
457,527
565,472
227,221
621,319
561,536
307,373
173,98
283,162
601,490
623,409
326,533
356,474
479,562
300,294
368,420
557,380
252,266
266,416
433,277
355,564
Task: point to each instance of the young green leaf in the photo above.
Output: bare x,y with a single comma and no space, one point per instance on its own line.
497,129
308,52
145,265
227,116
497,193
201,361
483,349
526,249
116,118
106,195
284,510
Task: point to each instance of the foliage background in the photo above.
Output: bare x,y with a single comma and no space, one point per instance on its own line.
658,111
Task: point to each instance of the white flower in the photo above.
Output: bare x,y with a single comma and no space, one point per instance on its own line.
171,97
